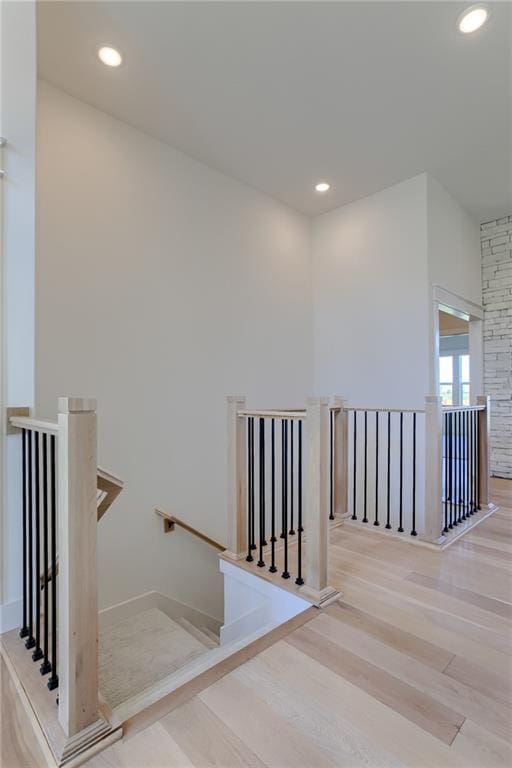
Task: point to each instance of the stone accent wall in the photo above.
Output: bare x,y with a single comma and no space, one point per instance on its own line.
496,239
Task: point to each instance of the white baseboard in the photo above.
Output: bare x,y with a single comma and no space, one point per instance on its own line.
10,616
168,605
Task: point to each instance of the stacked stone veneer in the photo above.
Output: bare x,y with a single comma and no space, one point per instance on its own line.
497,302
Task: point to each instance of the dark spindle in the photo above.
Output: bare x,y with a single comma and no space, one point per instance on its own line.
414,532
365,518
261,562
401,513
445,441
285,574
24,628
250,489
37,654
376,521
462,516
54,679
45,666
466,464
273,568
474,415
478,499
331,466
450,452
388,479
30,641
292,499
354,513
455,468
299,580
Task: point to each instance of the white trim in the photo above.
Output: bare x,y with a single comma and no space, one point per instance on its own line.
458,303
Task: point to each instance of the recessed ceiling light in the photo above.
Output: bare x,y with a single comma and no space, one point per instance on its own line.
472,19
322,186
110,56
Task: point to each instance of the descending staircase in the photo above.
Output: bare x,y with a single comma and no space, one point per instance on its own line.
142,650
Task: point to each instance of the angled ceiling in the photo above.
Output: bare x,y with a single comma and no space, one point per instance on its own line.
279,95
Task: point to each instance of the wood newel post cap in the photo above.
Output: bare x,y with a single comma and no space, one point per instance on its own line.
236,399
77,405
312,401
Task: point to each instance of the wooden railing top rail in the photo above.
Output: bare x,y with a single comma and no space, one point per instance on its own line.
463,408
385,410
291,413
111,486
37,425
170,521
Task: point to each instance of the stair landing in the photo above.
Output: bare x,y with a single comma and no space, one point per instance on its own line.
142,650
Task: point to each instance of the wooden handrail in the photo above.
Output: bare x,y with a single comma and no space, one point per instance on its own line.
170,521
283,413
111,486
37,425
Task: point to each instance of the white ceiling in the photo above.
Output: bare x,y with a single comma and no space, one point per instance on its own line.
281,94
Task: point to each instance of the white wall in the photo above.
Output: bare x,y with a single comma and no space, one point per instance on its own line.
162,287
369,262
453,245
18,116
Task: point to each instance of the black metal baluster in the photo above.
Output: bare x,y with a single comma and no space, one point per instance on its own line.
45,666
455,467
292,499
466,464
388,479
414,532
462,515
285,574
478,499
465,513
37,653
473,462
30,641
299,580
354,514
54,679
445,441
331,466
24,628
400,522
261,562
273,568
450,451
250,489
365,518
376,521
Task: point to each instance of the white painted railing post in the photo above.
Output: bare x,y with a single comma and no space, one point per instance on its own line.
237,492
433,468
77,601
316,512
340,458
484,469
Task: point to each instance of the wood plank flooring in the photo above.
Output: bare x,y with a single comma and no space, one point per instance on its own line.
411,668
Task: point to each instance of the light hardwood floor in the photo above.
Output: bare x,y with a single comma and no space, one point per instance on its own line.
411,668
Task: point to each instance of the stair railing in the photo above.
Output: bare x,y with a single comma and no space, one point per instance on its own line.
60,510
418,472
278,504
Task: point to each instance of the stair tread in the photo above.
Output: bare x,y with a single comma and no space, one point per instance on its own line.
199,633
141,650
211,634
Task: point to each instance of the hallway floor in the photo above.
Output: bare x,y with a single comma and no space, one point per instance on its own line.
411,668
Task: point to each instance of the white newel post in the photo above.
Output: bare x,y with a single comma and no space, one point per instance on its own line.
484,426
78,600
433,468
237,492
316,513
340,457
